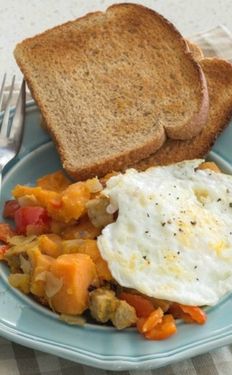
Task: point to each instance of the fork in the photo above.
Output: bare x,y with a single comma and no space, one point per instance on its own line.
11,133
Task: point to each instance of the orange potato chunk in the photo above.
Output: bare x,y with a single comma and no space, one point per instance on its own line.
210,165
40,265
90,248
77,272
65,206
50,244
42,196
73,201
56,181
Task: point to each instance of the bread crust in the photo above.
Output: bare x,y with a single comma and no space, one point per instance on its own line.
218,73
111,164
196,124
198,121
138,152
195,50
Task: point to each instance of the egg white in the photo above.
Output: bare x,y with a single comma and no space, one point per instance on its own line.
173,235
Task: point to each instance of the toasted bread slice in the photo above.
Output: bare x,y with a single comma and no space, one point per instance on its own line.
218,73
195,50
112,85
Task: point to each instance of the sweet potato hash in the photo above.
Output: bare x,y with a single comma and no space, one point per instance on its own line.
51,250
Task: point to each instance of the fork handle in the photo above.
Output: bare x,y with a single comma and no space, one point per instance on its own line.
1,185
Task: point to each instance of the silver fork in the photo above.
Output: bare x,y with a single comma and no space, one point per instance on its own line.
11,135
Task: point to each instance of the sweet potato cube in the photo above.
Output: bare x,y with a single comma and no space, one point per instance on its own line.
77,272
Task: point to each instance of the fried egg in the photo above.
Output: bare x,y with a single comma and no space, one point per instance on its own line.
172,238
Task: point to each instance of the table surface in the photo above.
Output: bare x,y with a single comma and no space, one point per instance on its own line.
21,19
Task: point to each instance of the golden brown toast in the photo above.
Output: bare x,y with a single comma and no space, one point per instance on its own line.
218,74
111,86
195,50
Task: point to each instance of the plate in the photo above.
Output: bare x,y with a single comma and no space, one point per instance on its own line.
24,321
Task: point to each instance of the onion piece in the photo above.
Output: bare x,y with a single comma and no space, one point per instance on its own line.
28,200
94,185
42,276
25,264
111,209
53,285
72,319
21,240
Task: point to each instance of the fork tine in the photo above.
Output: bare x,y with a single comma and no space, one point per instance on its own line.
6,116
2,89
16,132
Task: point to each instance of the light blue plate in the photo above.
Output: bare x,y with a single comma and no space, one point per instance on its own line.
25,322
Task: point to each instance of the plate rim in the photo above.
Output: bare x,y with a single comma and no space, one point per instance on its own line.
118,363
